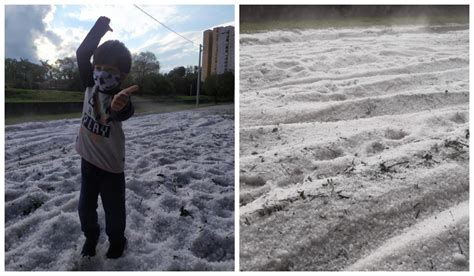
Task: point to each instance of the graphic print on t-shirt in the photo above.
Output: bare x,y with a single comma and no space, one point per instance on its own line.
97,117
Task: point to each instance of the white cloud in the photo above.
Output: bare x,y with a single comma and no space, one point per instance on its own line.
24,25
127,21
49,16
129,25
171,46
230,23
49,46
71,38
45,49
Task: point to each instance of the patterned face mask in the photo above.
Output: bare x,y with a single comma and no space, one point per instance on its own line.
106,81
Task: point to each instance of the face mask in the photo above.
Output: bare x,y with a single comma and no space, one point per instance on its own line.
106,81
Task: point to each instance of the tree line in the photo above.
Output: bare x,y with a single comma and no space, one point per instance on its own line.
63,74
262,13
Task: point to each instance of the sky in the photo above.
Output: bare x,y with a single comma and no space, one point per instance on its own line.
49,32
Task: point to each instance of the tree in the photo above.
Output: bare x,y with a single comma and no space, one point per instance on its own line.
220,86
157,84
191,78
144,63
48,68
176,76
226,85
23,73
66,74
210,87
191,70
164,86
11,71
178,72
66,68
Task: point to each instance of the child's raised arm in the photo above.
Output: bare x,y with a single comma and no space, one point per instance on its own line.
87,48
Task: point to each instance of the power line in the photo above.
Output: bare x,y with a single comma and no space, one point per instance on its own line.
199,45
165,25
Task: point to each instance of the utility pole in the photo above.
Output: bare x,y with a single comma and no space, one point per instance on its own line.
199,76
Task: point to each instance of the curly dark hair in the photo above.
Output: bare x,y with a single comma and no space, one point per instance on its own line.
114,52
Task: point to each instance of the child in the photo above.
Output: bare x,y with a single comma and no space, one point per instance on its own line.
101,142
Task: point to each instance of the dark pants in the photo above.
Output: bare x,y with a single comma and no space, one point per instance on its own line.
111,188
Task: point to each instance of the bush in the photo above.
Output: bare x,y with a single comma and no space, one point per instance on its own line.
157,84
220,87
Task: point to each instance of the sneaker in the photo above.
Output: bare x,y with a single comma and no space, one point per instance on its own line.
116,249
88,249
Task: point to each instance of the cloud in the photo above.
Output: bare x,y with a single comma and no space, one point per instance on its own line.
70,38
30,35
53,37
52,32
127,21
230,23
23,26
172,50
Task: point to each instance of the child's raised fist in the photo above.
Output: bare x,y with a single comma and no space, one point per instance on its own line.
104,22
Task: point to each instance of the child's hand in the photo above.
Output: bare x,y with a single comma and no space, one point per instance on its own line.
121,99
104,21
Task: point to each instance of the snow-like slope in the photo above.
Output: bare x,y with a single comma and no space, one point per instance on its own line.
173,160
352,140
396,248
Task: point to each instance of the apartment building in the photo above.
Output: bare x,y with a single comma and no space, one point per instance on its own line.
218,51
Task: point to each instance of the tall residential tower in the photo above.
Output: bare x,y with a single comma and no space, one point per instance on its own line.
218,51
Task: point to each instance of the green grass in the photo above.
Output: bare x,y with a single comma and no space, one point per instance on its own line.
14,95
255,27
141,108
165,108
193,98
144,104
177,99
202,99
11,120
148,104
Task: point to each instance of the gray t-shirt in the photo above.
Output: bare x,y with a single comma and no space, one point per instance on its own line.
101,141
